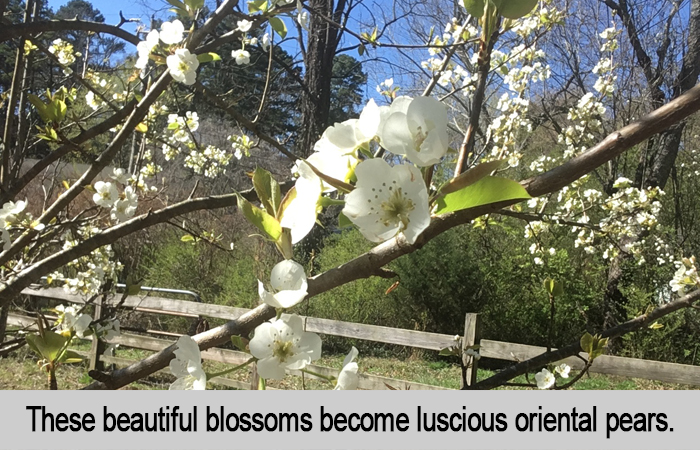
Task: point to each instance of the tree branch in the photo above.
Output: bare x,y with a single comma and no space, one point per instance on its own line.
11,31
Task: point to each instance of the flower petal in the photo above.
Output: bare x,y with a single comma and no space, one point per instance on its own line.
270,369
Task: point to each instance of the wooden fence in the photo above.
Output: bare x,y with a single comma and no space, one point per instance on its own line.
625,367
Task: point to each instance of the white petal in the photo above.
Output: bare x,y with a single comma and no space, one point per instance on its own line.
293,322
182,384
342,135
178,368
350,356
348,380
300,215
395,135
370,120
187,349
261,344
311,343
287,299
288,275
270,369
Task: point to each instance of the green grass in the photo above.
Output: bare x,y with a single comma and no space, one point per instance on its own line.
20,371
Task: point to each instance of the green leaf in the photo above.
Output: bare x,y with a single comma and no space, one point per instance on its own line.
475,8
598,347
278,25
484,192
554,288
194,5
60,109
361,49
449,351
239,343
288,198
471,176
268,190
656,326
187,238
173,126
260,218
48,346
39,105
514,9
208,57
343,221
327,201
257,6
71,357
587,343
177,4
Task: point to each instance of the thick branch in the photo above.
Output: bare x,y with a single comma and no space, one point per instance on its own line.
615,144
25,29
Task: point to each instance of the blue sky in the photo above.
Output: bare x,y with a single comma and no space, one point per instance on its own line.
143,9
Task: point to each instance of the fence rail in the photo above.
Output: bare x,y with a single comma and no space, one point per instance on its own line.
613,365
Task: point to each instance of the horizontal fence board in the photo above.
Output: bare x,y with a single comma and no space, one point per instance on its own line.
184,308
385,335
611,365
233,357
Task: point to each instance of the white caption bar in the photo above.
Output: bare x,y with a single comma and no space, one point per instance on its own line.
406,420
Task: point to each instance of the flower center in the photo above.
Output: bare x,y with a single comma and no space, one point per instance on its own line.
183,66
419,138
282,350
397,208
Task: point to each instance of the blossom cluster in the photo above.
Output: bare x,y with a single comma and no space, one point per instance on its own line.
87,274
546,379
122,205
65,53
179,138
686,277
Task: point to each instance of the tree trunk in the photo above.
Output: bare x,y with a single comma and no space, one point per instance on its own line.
322,43
655,167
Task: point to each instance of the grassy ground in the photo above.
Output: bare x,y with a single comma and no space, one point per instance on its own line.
20,371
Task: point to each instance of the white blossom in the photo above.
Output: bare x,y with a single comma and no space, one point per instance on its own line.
183,66
289,285
417,129
125,207
545,379
348,379
242,57
303,18
388,201
244,25
283,344
563,369
105,194
71,320
187,366
172,32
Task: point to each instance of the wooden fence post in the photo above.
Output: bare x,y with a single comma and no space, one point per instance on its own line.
472,336
4,312
98,346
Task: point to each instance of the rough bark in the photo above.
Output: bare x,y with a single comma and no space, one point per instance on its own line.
322,44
